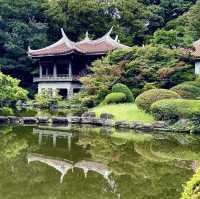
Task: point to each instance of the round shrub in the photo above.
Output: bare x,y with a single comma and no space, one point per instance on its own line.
146,99
121,88
6,111
188,90
114,98
174,109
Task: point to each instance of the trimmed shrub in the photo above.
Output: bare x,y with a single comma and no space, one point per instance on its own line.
146,99
121,88
192,187
188,90
6,111
174,109
114,98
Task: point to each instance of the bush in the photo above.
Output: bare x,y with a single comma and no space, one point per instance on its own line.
121,88
174,109
114,98
192,187
146,99
46,98
188,90
6,111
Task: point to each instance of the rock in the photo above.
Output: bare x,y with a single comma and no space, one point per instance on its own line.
43,120
97,121
147,127
74,120
106,116
59,120
88,114
4,120
136,125
29,120
122,124
159,124
109,122
14,119
86,120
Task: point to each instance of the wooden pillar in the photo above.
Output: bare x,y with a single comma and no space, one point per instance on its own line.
70,69
40,70
55,70
47,71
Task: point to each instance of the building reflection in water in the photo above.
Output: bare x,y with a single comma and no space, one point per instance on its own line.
63,165
55,134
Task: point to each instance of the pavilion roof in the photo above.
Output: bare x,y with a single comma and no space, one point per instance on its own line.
86,47
196,52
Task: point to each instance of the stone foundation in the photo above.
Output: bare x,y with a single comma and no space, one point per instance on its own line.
91,119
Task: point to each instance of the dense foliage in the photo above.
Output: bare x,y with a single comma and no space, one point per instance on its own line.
10,90
37,23
174,109
46,98
188,90
192,189
146,99
138,68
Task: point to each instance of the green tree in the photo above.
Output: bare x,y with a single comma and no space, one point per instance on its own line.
10,90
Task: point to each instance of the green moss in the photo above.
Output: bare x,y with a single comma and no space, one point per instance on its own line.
127,112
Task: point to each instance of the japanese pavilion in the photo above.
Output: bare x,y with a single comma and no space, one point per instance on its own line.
62,63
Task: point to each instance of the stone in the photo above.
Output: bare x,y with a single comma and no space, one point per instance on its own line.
88,115
14,119
86,120
59,120
109,122
43,120
122,124
97,121
74,120
106,116
29,120
159,124
4,120
136,125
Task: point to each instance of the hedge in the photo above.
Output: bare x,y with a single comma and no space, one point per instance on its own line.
121,88
174,109
146,99
114,98
192,187
188,90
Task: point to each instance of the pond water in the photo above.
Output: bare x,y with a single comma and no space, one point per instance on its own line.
79,162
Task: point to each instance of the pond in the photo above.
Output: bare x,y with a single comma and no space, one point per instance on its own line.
82,162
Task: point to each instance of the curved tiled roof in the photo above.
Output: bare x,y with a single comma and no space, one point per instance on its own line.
87,47
196,52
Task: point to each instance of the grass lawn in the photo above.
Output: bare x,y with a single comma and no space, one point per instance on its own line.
128,112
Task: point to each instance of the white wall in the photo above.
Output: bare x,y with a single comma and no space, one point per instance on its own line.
197,67
59,85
